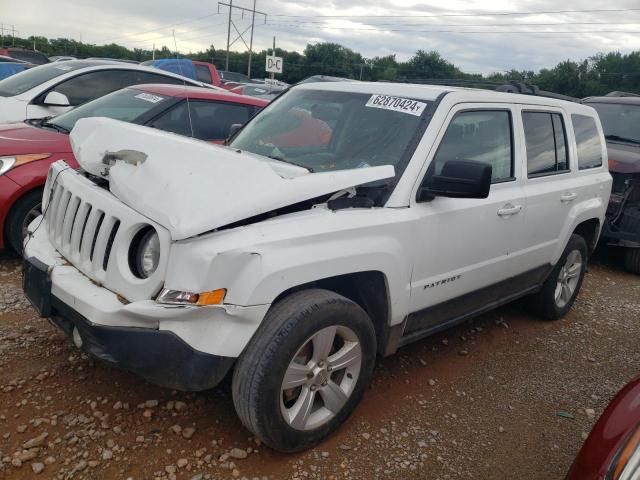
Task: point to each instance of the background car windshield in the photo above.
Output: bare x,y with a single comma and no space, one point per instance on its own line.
619,119
33,77
329,131
126,105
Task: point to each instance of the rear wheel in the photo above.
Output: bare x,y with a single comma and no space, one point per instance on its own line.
561,287
632,260
24,211
305,369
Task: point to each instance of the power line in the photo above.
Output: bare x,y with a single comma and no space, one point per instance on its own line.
479,14
323,22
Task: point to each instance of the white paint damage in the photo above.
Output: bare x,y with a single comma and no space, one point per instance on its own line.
189,186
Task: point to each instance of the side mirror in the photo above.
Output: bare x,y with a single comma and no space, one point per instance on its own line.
458,179
56,99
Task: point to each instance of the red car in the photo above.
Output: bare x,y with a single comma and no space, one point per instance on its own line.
27,149
612,450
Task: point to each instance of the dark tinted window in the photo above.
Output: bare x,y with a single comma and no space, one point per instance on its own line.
135,77
481,136
619,121
203,74
28,56
233,77
33,77
546,143
92,85
587,141
210,120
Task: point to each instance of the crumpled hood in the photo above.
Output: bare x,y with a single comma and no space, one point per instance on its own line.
189,186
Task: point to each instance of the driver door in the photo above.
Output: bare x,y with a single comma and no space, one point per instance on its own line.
462,245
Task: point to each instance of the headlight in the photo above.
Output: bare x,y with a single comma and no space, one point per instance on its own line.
144,254
179,297
626,463
7,163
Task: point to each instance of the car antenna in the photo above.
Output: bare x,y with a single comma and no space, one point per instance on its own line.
175,43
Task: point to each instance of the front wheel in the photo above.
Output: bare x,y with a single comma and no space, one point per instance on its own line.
25,210
305,369
561,287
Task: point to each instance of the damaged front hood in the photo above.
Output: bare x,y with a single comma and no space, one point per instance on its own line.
189,186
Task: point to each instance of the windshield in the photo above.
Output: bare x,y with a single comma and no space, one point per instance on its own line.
619,121
33,77
325,130
126,105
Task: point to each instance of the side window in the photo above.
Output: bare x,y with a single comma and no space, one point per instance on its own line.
546,143
588,141
203,74
137,78
91,85
210,120
481,136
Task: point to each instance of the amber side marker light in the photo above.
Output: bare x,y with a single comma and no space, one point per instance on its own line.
177,297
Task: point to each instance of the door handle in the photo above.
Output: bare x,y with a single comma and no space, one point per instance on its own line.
568,197
509,209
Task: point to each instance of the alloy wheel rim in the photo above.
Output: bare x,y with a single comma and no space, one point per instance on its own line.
320,377
31,215
568,278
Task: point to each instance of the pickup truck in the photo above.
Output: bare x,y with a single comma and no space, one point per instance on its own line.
292,266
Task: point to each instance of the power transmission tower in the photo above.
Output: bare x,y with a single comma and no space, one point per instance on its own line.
240,36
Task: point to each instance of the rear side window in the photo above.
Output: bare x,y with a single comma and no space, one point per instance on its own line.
481,136
92,85
30,56
203,74
587,141
546,142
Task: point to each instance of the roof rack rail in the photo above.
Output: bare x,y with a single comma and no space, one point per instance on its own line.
513,86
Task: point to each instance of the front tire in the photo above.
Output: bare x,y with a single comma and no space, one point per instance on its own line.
23,212
632,260
305,369
561,287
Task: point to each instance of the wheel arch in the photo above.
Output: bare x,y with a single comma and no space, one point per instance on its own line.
369,289
10,209
589,230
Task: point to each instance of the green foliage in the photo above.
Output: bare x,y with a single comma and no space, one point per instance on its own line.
596,75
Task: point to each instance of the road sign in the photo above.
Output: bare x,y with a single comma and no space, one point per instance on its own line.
274,64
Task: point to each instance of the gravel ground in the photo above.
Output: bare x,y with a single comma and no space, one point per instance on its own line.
478,401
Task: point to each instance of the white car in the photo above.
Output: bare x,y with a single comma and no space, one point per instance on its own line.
54,88
293,260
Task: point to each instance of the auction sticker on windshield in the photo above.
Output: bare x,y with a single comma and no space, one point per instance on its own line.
397,104
149,98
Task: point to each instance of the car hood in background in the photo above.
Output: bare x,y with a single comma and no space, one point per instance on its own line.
623,158
191,187
21,138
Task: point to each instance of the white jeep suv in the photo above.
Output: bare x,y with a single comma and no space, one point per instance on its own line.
342,222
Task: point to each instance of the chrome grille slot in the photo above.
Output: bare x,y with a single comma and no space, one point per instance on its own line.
61,214
112,237
88,235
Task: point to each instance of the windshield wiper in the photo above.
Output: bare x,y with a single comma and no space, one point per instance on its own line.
282,159
55,126
618,138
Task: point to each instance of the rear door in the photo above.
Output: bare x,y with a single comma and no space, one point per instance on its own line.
550,185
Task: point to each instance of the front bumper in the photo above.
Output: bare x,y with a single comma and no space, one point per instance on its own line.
179,347
158,356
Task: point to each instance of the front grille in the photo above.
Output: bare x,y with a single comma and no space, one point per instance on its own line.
82,232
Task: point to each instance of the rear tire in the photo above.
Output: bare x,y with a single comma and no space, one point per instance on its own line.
561,287
321,344
632,260
23,212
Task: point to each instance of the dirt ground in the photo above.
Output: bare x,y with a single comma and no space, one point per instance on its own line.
479,401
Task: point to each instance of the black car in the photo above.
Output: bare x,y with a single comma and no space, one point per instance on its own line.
620,117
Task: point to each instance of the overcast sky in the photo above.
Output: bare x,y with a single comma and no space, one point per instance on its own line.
371,27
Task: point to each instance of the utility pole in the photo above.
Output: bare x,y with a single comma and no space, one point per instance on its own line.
226,67
13,35
240,34
253,20
273,75
153,55
1,35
